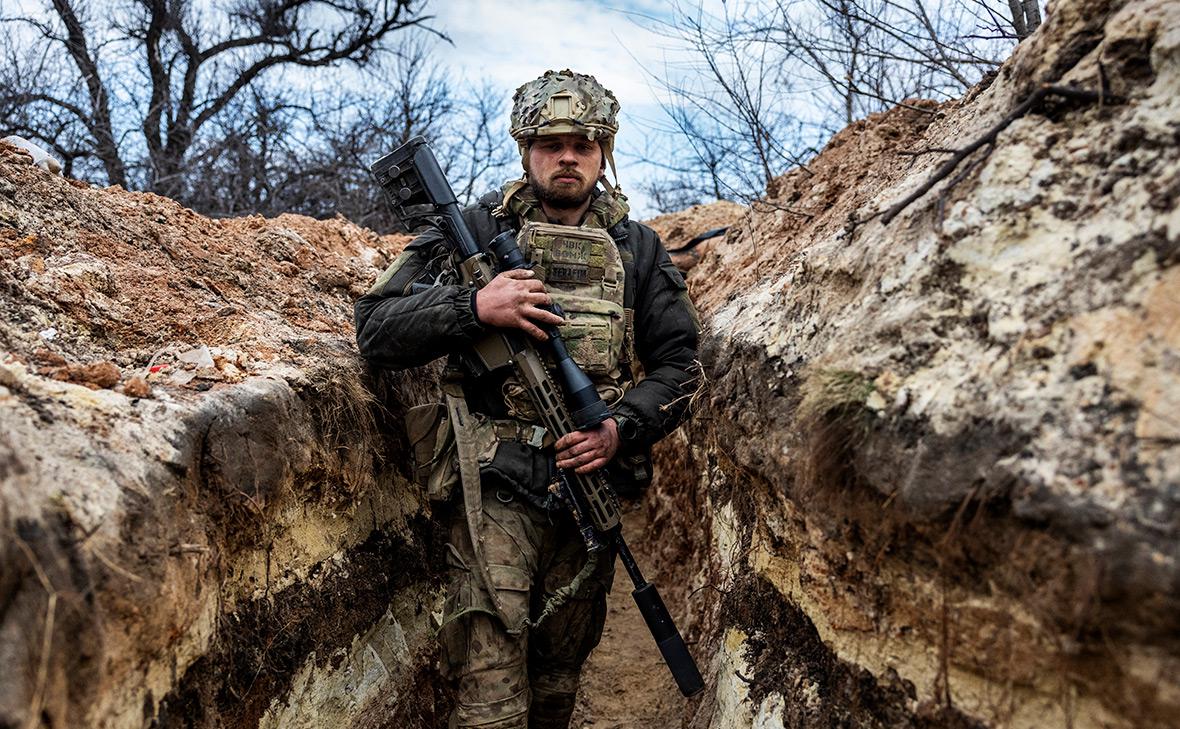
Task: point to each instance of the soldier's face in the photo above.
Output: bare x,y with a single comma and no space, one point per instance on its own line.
564,168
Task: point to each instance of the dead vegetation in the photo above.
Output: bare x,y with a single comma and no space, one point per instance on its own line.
344,409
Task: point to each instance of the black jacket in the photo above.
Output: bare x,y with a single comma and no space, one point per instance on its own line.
398,329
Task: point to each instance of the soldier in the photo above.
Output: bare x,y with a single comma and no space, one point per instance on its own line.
515,647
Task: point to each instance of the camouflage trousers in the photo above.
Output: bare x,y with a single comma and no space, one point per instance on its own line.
505,677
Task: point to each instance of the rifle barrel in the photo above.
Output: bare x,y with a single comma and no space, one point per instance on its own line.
668,639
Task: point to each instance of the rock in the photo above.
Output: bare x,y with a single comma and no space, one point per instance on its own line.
46,357
98,375
40,157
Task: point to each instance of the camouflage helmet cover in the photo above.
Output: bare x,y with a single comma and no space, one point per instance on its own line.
564,102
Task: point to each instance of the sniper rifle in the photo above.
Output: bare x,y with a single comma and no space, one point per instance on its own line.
566,400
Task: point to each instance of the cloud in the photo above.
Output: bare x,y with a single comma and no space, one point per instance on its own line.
509,43
512,42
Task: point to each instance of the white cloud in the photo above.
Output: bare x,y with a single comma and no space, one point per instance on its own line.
513,42
509,43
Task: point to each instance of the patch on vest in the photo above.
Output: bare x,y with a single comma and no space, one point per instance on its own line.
582,271
572,250
576,261
560,273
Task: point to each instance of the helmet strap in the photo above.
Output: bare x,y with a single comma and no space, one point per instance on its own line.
610,160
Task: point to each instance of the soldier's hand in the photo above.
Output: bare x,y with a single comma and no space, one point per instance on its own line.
511,299
588,450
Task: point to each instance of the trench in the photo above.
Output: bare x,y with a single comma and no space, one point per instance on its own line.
625,682
931,478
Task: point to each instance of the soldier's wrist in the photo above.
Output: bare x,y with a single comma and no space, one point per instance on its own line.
627,428
469,322
475,307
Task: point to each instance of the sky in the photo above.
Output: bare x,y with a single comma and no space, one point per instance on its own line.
509,43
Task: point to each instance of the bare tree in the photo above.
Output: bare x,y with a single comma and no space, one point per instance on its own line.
240,163
1026,17
735,122
25,109
669,194
185,68
271,154
203,119
756,89
465,123
478,151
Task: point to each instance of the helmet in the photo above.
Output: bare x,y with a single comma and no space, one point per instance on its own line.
564,102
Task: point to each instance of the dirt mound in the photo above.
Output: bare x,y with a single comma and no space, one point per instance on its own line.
199,498
133,279
677,230
821,199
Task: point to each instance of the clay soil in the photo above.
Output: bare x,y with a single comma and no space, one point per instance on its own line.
678,229
102,277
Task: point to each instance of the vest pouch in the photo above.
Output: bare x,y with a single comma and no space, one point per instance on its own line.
631,474
593,332
432,447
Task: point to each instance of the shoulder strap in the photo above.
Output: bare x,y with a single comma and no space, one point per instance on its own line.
473,499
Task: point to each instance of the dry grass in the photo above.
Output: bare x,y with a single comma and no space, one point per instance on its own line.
344,410
839,393
833,419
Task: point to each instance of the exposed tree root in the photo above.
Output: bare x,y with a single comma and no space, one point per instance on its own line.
988,139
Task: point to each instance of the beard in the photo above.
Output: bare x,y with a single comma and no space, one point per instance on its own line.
563,196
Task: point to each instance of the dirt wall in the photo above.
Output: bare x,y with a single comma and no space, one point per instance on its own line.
935,463
932,479
203,517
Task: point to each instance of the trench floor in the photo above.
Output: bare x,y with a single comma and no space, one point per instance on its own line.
625,684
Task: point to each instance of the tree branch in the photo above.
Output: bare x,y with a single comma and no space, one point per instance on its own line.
100,118
989,137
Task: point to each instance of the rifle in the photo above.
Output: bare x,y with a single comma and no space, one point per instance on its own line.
566,400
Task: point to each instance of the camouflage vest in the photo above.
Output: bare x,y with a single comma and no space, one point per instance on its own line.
583,272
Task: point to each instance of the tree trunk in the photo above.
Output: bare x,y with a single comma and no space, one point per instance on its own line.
99,126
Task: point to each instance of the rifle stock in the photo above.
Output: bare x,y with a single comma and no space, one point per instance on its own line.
420,195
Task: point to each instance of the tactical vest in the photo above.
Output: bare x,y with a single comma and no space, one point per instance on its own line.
583,273
582,269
